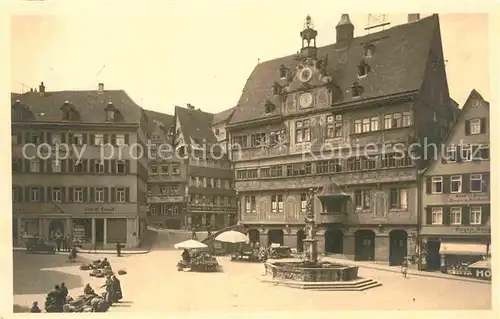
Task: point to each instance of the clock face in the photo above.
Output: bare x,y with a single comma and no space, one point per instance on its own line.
305,74
306,100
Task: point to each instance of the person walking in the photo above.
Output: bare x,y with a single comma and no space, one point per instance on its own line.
58,241
404,267
118,249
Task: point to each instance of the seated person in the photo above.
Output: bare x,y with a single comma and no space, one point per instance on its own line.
88,290
35,308
185,256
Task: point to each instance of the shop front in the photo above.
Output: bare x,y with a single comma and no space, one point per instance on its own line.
213,217
455,250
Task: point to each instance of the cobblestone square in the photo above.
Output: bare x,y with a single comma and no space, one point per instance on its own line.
154,284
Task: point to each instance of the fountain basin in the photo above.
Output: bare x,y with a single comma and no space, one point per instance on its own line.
316,276
320,272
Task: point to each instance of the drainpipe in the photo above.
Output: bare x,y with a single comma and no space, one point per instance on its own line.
419,220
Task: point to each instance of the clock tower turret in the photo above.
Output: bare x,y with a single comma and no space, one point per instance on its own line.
308,35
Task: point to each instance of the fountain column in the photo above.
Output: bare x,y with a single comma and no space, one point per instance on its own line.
310,243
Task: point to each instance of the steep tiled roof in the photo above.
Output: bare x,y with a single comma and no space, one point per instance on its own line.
195,124
398,66
160,119
223,116
90,105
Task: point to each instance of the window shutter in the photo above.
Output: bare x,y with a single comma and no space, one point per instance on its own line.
428,185
70,139
106,139
92,166
467,127
126,139
113,194
92,139
71,198
113,166
428,215
86,166
20,194
85,194
459,154
49,194
106,194
106,166
465,215
71,165
465,183
26,166
92,194
27,191
485,214
64,166
446,184
127,195
42,165
483,125
63,138
127,166
42,137
113,139
42,194
486,182
19,138
446,215
27,137
85,139
49,137
64,197
49,165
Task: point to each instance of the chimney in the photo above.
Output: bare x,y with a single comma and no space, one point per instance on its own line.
41,88
101,87
345,31
190,107
412,17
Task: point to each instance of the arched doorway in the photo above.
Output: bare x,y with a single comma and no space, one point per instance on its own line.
364,249
300,237
56,226
254,235
275,236
334,241
398,247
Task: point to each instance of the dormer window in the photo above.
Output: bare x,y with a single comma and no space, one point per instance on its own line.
110,112
363,69
356,89
283,72
270,107
369,50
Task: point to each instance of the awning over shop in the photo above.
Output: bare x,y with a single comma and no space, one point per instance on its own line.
486,264
472,249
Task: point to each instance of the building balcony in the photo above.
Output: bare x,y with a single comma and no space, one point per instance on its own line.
164,199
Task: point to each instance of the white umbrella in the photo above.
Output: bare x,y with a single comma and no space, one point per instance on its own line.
190,244
232,236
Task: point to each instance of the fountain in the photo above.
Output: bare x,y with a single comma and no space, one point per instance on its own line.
310,273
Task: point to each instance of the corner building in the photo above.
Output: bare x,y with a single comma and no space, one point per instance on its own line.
455,217
99,200
381,89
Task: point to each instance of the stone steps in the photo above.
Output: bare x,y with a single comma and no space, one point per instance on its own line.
359,284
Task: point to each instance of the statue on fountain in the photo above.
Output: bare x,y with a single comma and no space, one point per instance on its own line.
310,247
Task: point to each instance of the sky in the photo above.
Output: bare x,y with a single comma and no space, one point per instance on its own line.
174,58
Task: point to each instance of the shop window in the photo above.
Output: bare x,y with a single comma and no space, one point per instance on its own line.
78,195
476,183
475,215
456,215
99,195
456,184
120,195
437,215
116,230
399,198
56,194
120,167
437,185
82,230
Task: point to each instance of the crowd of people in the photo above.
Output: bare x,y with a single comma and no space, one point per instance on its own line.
58,300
